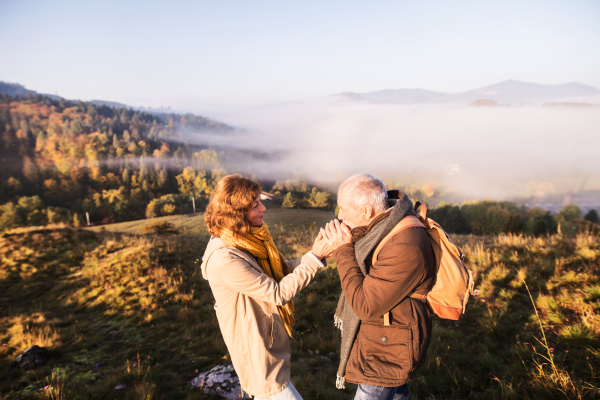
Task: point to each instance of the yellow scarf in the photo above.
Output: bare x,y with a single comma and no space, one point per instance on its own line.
259,244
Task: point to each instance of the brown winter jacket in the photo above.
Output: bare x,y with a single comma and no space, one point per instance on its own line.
388,355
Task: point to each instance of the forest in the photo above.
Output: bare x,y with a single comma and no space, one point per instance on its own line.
62,159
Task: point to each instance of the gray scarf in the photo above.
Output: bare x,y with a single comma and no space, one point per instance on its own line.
344,317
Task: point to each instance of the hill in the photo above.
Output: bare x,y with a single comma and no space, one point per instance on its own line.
125,305
60,159
509,91
14,89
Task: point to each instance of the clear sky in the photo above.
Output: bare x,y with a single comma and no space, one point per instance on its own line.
234,52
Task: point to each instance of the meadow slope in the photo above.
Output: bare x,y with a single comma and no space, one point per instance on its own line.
126,304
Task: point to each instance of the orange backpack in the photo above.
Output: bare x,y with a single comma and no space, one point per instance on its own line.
453,283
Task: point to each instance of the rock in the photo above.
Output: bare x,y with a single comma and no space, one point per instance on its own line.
120,386
221,380
31,358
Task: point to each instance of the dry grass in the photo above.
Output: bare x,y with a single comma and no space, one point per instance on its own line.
115,293
55,387
25,333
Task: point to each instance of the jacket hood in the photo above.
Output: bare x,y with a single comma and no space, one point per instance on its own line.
214,244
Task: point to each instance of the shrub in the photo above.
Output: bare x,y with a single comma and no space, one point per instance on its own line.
57,214
160,228
27,205
8,217
170,204
540,222
592,216
168,209
289,201
491,217
76,220
450,217
319,199
37,218
569,213
513,223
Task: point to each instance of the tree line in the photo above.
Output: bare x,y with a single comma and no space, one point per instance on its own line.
490,217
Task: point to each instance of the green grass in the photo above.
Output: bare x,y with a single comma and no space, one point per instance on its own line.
125,304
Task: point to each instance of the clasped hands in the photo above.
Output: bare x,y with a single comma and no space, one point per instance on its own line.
334,235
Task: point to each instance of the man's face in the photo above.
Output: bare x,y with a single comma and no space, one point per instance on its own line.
350,216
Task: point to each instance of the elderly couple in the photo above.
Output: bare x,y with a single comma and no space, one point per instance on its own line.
385,332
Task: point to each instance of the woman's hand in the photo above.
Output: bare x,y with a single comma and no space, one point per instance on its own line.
337,234
321,247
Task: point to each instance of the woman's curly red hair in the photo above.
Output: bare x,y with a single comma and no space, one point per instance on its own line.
229,204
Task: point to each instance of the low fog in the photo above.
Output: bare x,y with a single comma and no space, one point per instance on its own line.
474,152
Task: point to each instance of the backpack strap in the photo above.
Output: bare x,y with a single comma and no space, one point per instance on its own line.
409,221
406,222
423,213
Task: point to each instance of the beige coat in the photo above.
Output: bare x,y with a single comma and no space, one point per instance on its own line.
246,301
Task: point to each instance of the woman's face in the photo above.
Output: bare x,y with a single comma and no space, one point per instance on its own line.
255,214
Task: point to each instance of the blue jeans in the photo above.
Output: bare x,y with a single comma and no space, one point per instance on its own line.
370,392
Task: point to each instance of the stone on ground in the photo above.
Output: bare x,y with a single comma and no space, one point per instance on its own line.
221,380
31,358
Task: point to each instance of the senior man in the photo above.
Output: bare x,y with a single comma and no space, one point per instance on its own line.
380,354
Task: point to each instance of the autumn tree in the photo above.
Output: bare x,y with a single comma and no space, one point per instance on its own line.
289,201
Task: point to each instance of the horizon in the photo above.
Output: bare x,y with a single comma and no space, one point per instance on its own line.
594,98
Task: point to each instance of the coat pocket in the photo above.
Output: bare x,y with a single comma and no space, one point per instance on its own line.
385,352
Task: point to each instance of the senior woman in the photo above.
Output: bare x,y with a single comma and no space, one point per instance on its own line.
253,286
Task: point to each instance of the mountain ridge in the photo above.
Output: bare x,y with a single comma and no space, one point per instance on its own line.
508,91
16,89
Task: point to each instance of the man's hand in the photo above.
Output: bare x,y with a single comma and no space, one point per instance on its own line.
321,247
337,234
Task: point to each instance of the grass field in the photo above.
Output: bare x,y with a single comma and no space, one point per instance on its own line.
122,304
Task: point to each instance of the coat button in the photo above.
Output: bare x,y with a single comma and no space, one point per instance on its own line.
384,339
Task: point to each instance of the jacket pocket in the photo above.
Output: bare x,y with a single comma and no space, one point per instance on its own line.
385,352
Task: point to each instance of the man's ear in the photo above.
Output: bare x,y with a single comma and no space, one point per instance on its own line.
369,212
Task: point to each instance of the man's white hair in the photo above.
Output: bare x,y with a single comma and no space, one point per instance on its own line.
364,189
